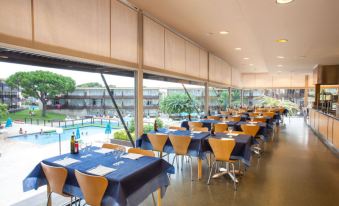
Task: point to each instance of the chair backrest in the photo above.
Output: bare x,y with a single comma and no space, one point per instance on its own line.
222,148
259,119
141,151
251,114
250,129
180,143
281,110
235,118
177,128
201,129
268,114
194,124
213,118
224,113
158,141
56,177
220,127
92,187
114,146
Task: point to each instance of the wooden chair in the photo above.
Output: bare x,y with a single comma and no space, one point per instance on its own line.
222,149
92,187
268,114
180,145
213,118
194,124
141,151
250,129
200,129
158,142
56,178
234,118
224,113
220,127
177,128
114,146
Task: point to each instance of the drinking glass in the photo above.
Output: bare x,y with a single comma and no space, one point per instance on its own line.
230,129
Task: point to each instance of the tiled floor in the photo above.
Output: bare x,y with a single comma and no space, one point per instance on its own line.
296,169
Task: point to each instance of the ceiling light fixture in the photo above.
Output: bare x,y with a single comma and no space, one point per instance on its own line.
251,64
279,65
246,58
280,57
284,1
238,49
282,40
223,32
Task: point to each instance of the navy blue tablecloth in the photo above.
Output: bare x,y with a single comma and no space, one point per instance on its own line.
130,184
199,145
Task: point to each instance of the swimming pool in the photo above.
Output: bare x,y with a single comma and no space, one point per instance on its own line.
48,138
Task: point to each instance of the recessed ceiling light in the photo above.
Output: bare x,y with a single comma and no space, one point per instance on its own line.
282,40
238,49
223,32
279,65
251,64
246,58
284,1
280,57
4,57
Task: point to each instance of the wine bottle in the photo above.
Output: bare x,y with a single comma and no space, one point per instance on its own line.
155,125
72,143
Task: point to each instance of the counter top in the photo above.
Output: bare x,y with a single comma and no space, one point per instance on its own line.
329,115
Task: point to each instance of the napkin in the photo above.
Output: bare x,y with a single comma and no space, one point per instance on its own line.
253,122
66,161
103,150
101,170
196,132
232,134
132,156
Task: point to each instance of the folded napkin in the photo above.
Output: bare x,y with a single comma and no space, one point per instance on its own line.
103,150
196,132
101,170
253,122
66,161
232,134
132,156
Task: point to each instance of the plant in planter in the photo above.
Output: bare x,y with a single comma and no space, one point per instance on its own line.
293,108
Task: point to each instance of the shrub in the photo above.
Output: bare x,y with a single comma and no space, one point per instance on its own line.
122,135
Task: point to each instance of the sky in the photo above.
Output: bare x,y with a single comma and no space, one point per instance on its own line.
7,69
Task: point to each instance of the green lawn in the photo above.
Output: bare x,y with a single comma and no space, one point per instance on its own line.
25,114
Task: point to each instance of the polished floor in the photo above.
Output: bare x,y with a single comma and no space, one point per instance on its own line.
296,169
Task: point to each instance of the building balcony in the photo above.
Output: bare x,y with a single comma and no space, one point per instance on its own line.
103,97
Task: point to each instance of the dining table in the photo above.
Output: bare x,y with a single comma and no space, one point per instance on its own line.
199,146
130,180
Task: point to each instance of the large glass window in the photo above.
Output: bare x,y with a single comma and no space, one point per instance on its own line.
218,99
73,100
235,97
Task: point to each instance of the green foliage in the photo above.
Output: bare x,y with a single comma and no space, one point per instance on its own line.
266,101
148,128
160,123
21,115
90,84
176,104
3,109
43,85
131,126
122,135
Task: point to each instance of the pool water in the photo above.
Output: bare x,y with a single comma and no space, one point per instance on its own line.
48,138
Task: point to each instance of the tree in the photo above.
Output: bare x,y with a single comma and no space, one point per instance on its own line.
176,104
90,84
43,85
3,109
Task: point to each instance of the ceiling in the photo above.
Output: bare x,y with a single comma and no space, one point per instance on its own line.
311,27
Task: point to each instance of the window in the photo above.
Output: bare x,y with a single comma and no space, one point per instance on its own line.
218,99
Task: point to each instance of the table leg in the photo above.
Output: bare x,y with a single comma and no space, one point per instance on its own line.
159,197
199,168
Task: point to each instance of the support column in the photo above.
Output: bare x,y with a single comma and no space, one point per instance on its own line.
306,91
317,96
139,79
207,99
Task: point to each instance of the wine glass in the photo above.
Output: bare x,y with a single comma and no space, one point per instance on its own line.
230,130
252,119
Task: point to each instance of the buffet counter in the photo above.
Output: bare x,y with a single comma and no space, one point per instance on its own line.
326,127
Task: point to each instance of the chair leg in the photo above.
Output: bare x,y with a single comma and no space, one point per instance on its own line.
154,203
48,198
190,160
235,181
211,170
